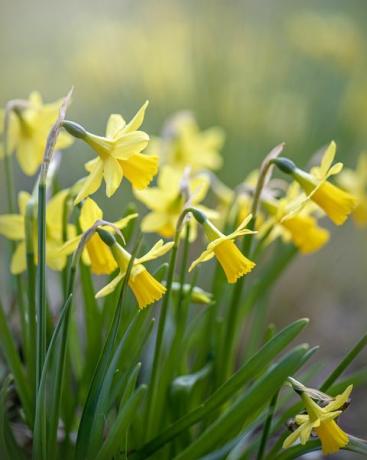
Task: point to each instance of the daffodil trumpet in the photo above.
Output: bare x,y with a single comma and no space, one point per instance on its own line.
335,202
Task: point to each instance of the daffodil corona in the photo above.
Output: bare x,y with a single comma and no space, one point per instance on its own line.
231,259
119,154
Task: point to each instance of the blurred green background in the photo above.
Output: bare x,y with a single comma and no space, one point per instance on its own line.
266,71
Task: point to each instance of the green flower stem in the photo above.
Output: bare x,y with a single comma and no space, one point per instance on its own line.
153,389
267,426
41,282
31,283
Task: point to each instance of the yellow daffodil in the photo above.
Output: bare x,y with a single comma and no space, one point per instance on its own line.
145,287
183,144
12,226
167,201
119,155
355,182
300,226
233,262
28,130
96,253
321,421
334,201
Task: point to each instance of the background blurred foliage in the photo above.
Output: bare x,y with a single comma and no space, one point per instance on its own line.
266,71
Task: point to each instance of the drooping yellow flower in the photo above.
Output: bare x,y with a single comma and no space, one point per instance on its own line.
355,182
334,201
145,287
321,421
28,131
183,144
96,253
12,226
299,226
167,201
119,155
231,259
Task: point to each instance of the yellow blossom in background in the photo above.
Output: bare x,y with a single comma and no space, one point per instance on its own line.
183,144
12,226
119,155
355,182
145,287
167,200
300,226
221,246
96,253
321,421
29,127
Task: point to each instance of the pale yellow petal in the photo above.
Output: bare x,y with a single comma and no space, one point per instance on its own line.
129,144
339,400
158,250
23,198
30,154
12,226
92,182
204,257
153,222
89,214
110,287
327,159
137,120
113,174
115,125
55,213
70,246
122,223
18,260
153,198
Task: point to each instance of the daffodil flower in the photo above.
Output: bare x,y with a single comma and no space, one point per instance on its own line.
119,155
168,200
334,201
145,287
221,246
183,144
29,127
299,226
355,182
96,253
321,421
12,226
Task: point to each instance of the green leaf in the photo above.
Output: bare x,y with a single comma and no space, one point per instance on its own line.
122,422
233,419
8,447
39,432
12,358
249,370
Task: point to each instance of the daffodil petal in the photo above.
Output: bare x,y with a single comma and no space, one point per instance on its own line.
115,125
89,214
18,260
92,182
12,226
113,174
137,120
158,250
110,287
204,257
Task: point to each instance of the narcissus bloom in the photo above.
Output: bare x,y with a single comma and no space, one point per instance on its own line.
145,287
334,201
29,127
119,155
183,144
321,421
221,246
167,201
355,182
96,253
12,226
300,226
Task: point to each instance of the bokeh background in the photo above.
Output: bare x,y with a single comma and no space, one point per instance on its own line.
266,71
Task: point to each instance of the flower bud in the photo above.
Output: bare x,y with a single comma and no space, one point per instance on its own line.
74,129
285,165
